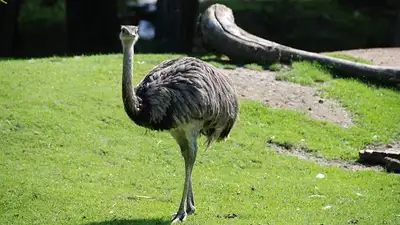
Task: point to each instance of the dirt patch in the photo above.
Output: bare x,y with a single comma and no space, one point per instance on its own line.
304,155
379,56
262,86
385,147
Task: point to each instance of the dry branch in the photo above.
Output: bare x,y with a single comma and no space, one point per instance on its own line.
220,33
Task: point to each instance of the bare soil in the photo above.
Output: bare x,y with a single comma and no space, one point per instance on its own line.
304,155
379,56
262,86
380,147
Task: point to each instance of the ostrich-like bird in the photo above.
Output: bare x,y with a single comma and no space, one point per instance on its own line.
187,97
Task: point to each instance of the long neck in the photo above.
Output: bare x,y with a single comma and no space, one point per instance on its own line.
128,94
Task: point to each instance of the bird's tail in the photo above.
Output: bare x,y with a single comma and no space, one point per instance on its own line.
219,136
208,143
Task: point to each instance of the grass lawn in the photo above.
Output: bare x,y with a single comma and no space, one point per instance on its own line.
70,155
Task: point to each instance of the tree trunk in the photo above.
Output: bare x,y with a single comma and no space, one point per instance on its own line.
92,26
390,159
220,33
176,24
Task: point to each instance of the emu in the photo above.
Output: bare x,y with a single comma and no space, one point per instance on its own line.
185,96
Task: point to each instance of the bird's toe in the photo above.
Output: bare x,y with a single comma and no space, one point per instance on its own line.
190,210
179,217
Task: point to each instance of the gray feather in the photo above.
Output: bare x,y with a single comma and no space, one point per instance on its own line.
190,90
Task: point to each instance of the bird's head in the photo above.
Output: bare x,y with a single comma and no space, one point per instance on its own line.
129,34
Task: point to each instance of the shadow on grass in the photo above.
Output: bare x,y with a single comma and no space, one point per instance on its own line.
226,63
132,222
218,59
373,82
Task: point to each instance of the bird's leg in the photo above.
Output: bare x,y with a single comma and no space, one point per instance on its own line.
188,144
190,199
190,209
189,155
181,214
192,158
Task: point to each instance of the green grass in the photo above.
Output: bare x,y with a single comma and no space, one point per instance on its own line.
275,67
254,66
305,73
224,63
70,155
349,58
374,109
219,62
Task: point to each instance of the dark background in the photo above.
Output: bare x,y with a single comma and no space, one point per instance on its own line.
41,28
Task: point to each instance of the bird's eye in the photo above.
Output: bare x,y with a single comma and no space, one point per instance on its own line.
123,31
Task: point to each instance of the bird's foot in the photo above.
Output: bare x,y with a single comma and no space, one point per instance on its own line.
179,217
190,209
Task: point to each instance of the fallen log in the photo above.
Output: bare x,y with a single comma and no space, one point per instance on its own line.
220,34
390,159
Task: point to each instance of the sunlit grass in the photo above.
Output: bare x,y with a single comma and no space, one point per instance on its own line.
305,73
349,58
70,155
374,108
275,67
254,66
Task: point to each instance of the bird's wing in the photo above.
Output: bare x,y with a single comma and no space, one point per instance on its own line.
173,91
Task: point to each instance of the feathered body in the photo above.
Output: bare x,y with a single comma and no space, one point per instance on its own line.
187,97
183,90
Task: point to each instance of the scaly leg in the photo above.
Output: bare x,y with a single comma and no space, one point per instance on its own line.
181,214
190,209
188,145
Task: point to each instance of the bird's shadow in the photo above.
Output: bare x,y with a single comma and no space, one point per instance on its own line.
132,222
